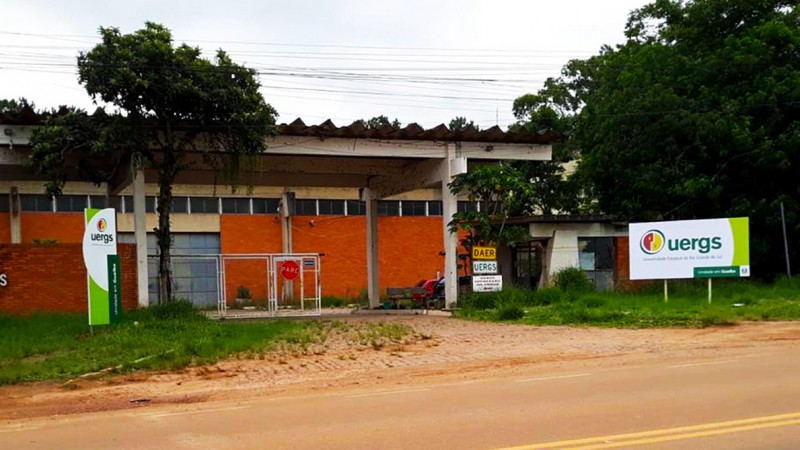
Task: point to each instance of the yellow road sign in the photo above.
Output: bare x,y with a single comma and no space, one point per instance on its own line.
484,253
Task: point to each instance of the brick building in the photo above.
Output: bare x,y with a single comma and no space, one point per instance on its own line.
374,203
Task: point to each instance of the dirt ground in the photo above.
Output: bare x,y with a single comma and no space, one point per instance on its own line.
441,349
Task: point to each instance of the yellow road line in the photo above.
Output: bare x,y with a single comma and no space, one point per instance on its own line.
554,377
399,391
699,434
668,434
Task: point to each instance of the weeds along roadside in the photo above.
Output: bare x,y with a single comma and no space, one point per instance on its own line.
175,336
573,301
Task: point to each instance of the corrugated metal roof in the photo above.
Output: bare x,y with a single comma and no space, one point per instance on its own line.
413,131
357,130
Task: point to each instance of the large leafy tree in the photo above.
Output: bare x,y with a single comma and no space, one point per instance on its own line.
696,115
381,121
167,102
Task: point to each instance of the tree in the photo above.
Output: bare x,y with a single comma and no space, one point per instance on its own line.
501,191
168,102
696,115
14,106
552,190
381,121
459,123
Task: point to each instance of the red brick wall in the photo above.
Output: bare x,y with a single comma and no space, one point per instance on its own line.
409,249
53,278
343,240
5,228
623,266
248,234
65,228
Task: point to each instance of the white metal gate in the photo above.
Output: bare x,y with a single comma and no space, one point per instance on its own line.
291,283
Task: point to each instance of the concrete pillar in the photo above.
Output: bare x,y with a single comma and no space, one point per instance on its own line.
563,252
15,216
373,276
287,202
140,235
451,166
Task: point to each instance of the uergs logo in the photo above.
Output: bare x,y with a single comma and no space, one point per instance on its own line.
652,242
102,225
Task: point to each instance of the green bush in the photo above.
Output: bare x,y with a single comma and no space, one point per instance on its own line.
572,279
592,302
509,311
478,300
176,309
329,301
547,296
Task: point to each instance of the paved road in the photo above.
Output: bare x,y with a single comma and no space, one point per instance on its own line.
730,401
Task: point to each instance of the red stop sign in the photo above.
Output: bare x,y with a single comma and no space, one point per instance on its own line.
290,270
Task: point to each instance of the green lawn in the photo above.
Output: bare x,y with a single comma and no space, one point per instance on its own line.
59,346
733,301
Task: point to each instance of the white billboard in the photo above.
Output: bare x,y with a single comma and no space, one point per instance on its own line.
710,248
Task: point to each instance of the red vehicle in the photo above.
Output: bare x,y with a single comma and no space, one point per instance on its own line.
428,285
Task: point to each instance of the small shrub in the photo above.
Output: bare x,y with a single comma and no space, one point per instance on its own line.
547,296
176,309
243,293
592,302
509,312
572,279
329,301
479,300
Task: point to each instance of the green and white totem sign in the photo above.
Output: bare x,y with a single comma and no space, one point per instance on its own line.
102,266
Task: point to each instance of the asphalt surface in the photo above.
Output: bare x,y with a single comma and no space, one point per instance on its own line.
729,400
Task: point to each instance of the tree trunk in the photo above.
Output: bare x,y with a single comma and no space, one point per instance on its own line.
164,234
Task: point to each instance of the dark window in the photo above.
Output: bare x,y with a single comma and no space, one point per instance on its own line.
236,206
596,253
4,202
204,205
434,208
305,207
266,206
332,207
31,202
113,202
71,203
96,201
356,208
149,204
414,208
467,206
388,208
180,205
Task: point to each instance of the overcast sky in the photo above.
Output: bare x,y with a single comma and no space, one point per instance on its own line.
414,60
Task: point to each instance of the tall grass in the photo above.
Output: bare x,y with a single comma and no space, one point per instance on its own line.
60,346
733,301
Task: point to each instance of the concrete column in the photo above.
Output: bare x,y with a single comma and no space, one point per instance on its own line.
15,216
287,198
140,235
563,252
449,207
373,278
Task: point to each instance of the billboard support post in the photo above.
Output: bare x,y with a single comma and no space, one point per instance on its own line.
709,291
785,244
666,291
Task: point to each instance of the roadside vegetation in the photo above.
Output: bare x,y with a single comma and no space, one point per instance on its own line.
169,337
574,302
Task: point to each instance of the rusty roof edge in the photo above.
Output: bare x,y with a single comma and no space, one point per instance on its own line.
357,130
